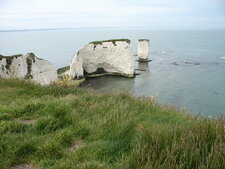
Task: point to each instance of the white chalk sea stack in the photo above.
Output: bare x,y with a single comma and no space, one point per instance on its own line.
110,56
143,49
28,67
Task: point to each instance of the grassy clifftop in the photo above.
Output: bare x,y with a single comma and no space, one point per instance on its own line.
55,127
111,40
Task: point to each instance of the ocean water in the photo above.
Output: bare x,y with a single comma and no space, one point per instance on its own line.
188,67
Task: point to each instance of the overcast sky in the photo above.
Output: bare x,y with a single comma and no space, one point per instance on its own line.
153,14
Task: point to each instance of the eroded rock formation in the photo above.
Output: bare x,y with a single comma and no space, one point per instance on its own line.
143,49
28,67
111,56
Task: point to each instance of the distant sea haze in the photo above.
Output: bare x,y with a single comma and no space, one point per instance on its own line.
52,29
187,70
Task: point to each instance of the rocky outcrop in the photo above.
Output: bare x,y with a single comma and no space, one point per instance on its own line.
143,49
76,67
28,67
111,56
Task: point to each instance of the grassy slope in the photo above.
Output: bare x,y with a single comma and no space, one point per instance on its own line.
116,131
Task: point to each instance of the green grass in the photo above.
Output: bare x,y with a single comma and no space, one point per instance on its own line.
143,39
117,131
111,40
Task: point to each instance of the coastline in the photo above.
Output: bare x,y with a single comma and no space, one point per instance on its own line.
172,83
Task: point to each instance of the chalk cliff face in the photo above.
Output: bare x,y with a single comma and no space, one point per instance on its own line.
112,56
143,49
28,67
76,67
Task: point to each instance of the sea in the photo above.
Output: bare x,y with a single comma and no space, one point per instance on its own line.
187,70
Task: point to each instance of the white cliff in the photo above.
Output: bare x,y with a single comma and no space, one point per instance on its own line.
28,67
143,49
111,56
76,67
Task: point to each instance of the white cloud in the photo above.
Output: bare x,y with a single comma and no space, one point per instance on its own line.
88,13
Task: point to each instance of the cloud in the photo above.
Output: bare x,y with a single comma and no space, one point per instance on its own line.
24,14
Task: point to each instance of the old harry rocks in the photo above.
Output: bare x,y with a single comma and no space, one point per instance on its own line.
110,56
143,50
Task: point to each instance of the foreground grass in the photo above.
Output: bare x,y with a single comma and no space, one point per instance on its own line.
65,128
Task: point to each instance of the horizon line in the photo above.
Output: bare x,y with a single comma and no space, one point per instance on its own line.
71,28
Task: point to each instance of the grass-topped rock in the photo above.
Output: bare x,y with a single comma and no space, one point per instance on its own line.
143,50
108,55
111,40
27,67
144,40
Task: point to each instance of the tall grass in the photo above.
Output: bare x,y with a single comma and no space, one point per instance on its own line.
116,131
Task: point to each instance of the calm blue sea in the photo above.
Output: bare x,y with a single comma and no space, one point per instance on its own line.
188,67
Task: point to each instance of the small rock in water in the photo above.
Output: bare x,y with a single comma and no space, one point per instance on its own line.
175,63
192,63
185,63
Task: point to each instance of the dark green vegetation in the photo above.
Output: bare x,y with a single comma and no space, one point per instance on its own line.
9,60
143,39
65,128
63,70
111,40
30,59
13,56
